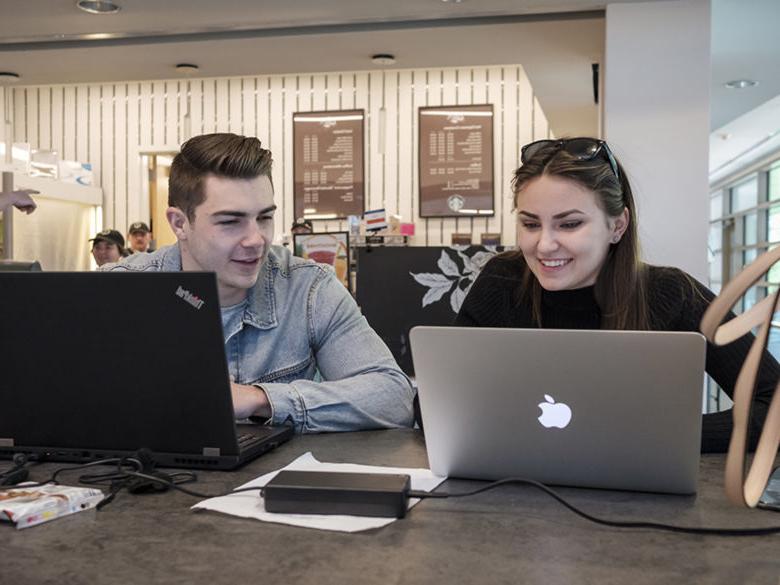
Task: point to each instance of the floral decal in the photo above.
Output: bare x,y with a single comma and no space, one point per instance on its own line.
458,273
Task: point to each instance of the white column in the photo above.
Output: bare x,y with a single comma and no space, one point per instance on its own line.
656,118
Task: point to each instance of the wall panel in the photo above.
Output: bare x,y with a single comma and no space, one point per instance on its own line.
111,125
4,107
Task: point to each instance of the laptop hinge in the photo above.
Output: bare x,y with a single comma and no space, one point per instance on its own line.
211,451
6,442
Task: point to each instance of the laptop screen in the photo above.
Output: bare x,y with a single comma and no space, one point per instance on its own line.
113,361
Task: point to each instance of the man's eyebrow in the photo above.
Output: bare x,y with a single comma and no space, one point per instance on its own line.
556,216
232,213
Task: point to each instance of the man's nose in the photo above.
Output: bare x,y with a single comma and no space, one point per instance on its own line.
254,237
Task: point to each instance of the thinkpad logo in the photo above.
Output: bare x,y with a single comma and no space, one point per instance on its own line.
189,297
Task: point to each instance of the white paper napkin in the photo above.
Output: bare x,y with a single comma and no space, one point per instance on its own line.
251,504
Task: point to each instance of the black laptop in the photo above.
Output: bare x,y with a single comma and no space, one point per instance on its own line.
97,365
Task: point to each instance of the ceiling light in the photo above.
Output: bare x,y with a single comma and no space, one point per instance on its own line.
8,77
452,1
98,6
186,68
383,59
740,83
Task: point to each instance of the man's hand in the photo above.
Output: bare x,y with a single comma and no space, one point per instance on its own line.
22,200
249,401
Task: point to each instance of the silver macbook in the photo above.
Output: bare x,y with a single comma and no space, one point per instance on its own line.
603,409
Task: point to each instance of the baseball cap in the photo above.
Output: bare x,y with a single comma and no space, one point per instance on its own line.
110,236
302,222
138,226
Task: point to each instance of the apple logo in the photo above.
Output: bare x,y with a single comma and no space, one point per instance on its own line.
554,414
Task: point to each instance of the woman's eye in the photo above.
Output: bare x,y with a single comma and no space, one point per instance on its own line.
570,225
529,225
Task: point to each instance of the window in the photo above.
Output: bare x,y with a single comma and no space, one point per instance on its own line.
744,223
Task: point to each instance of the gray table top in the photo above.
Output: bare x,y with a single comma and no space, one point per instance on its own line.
510,535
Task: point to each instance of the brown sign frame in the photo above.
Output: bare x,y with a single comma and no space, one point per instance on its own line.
358,169
486,176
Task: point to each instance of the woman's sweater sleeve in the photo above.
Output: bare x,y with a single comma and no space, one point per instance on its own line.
723,365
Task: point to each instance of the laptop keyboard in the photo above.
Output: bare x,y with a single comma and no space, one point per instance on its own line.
246,440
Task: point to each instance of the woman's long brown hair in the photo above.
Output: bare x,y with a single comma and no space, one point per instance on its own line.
620,289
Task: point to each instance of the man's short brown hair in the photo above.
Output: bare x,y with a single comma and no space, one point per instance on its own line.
221,155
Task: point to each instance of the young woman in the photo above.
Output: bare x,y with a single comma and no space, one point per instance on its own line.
578,267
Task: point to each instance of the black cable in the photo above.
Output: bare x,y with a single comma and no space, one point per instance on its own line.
190,492
613,523
118,479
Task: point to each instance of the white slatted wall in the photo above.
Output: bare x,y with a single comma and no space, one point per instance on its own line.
2,116
110,125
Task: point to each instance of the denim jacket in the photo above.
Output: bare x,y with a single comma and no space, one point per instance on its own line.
303,340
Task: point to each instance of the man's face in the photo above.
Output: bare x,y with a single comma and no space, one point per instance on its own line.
139,241
105,252
230,233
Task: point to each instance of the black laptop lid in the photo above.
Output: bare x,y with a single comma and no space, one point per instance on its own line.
113,361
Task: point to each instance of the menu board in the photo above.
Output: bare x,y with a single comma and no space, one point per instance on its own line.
456,161
328,164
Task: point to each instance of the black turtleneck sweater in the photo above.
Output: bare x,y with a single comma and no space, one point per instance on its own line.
493,301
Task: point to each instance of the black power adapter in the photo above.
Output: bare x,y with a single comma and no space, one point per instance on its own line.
353,494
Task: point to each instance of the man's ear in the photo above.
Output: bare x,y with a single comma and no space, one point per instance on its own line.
178,222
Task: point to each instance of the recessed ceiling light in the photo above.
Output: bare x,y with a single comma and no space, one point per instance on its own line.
98,6
383,59
186,68
740,83
452,1
8,77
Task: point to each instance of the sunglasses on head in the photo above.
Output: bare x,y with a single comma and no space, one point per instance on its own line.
579,148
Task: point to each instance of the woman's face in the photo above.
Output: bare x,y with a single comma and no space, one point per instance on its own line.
563,233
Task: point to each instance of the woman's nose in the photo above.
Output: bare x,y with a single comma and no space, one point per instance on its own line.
547,241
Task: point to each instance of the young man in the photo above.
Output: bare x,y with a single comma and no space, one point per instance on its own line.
139,236
284,319
107,246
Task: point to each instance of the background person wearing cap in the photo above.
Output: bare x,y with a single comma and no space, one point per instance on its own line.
139,236
108,246
302,226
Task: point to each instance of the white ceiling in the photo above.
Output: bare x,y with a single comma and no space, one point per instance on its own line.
745,122
39,19
247,37
51,41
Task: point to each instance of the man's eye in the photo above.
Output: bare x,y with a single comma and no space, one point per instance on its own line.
228,222
266,218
